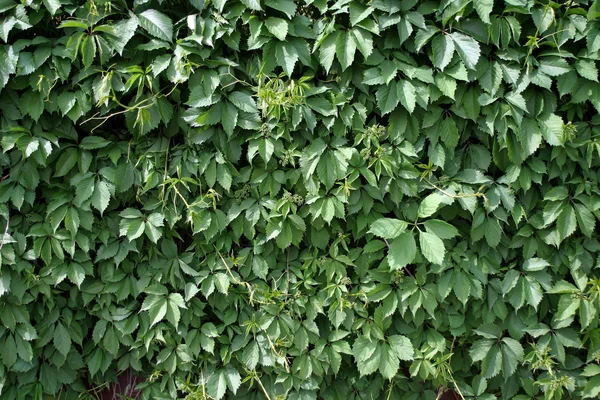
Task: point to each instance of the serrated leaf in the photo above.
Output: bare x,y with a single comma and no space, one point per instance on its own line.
387,98
432,247
429,205
363,41
277,27
407,95
388,228
484,8
467,48
243,101
286,56
345,48
442,48
552,129
441,229
62,339
566,222
402,251
156,24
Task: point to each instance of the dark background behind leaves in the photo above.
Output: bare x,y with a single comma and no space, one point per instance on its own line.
300,199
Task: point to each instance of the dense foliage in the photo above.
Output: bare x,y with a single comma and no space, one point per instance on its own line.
300,199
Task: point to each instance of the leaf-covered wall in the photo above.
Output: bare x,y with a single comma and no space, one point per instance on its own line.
277,199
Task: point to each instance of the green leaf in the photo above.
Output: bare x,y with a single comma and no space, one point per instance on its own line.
277,27
250,355
387,98
359,12
552,129
101,196
252,4
345,47
587,69
363,41
402,347
467,48
407,95
388,228
367,355
327,51
592,388
243,101
566,222
429,205
156,24
287,7
217,385
62,339
432,247
442,47
441,229
493,232
535,264
585,220
157,311
402,251
484,8
287,57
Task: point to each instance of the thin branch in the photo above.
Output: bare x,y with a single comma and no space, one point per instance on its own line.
262,387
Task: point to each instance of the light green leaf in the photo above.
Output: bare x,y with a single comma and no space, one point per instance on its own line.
484,8
388,228
277,27
345,48
429,205
432,247
363,41
535,264
157,24
407,95
442,48
387,97
441,229
552,129
402,251
402,347
286,56
467,48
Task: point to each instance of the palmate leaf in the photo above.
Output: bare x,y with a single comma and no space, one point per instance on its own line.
219,190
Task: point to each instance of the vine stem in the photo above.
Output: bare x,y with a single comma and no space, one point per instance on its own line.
262,387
